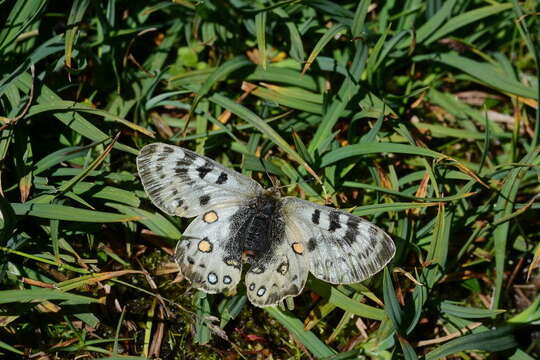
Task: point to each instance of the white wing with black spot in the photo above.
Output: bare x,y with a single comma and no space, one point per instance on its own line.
183,183
282,272
341,248
208,254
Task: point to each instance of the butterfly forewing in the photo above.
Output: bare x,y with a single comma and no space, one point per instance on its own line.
341,248
183,183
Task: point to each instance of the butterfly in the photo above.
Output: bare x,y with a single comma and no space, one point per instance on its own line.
238,222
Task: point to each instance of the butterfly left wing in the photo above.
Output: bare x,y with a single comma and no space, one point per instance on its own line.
282,272
209,253
340,248
183,183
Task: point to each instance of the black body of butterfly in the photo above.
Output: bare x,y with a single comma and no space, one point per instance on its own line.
237,221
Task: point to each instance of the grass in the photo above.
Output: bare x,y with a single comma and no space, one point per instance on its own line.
421,116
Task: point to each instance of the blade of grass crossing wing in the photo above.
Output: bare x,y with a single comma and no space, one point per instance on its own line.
295,326
263,127
75,16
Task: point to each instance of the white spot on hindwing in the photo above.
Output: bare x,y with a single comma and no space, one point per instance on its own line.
261,291
212,278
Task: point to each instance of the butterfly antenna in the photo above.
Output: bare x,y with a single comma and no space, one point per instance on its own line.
275,185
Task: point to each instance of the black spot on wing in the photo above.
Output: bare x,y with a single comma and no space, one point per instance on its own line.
203,200
373,235
222,178
190,260
168,150
162,158
316,216
334,221
351,235
203,171
183,163
181,171
312,244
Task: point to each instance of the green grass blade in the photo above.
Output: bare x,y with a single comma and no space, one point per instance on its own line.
491,340
60,212
78,8
260,26
263,127
296,327
30,295
466,19
328,36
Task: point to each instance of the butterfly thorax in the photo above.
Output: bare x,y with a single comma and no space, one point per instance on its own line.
262,226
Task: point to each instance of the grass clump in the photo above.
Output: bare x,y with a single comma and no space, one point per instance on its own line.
421,116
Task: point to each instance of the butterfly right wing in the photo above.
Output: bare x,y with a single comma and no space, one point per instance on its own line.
209,253
341,248
183,183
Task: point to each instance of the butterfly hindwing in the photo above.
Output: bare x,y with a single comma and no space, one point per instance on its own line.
341,248
280,274
209,254
183,183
